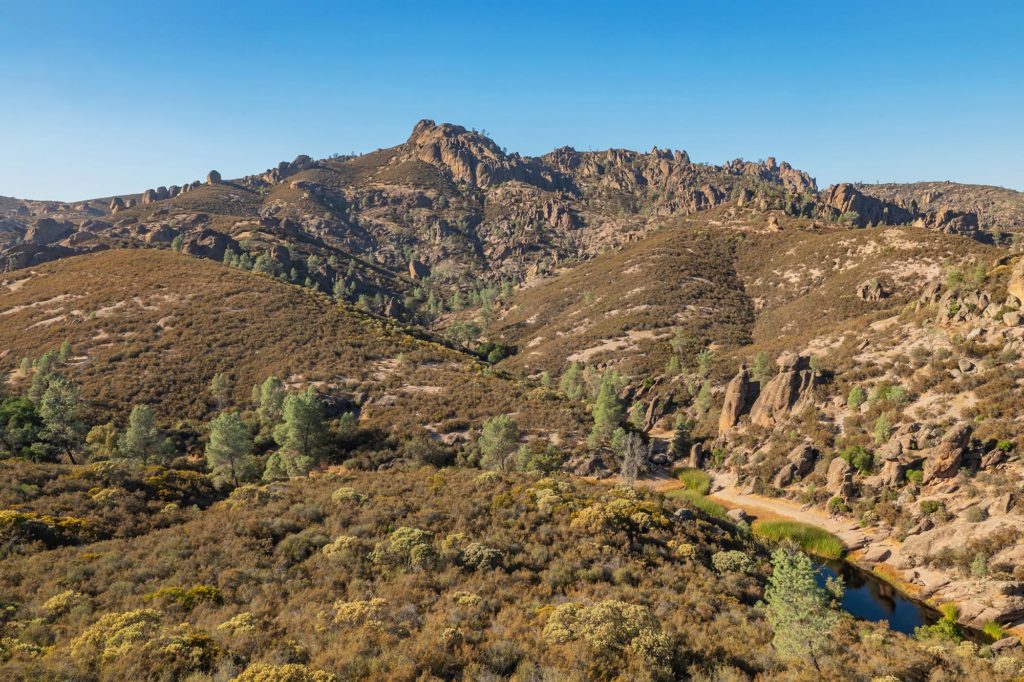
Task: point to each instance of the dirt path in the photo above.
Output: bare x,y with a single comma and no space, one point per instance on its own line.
725,492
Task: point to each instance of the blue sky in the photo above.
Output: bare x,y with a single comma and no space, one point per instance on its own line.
107,97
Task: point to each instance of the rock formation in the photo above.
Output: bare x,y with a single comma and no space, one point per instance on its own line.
792,386
944,459
738,395
213,178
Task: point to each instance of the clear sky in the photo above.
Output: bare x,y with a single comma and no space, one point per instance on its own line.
105,97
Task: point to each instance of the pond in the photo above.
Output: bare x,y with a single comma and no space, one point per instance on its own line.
870,598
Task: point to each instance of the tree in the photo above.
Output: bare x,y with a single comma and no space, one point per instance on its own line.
142,440
20,426
762,371
704,399
800,612
302,431
59,410
64,354
497,442
44,370
229,451
220,389
570,384
607,409
271,401
682,440
634,457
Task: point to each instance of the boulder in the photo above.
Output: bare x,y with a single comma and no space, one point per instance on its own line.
213,178
872,290
787,474
47,230
738,515
738,396
417,270
802,457
1013,318
116,204
696,456
794,385
944,459
1015,287
839,479
875,555
208,244
149,196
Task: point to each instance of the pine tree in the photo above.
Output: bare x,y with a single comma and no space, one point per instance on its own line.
220,389
59,410
570,384
498,440
229,451
271,402
799,611
607,410
142,440
302,431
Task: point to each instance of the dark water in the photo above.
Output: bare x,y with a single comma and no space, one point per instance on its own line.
870,598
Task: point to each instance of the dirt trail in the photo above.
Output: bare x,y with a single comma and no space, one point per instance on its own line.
725,492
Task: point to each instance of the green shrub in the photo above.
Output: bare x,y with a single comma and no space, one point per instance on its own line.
731,561
859,458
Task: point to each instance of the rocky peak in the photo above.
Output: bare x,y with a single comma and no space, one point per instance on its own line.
473,158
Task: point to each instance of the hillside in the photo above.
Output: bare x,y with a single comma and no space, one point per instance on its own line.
997,208
154,327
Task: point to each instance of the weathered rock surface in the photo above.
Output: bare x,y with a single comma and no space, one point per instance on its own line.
47,230
738,396
791,388
944,460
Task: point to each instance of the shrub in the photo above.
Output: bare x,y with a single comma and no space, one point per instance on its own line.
859,458
290,672
731,561
187,598
856,397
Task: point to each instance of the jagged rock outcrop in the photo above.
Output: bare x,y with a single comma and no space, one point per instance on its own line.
473,158
845,200
739,394
47,230
793,386
944,460
208,244
950,221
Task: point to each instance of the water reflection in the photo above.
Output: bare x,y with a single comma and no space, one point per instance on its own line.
870,598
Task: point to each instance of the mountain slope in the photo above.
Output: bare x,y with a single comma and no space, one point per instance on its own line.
153,327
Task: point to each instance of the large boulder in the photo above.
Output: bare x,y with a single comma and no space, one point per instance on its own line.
213,178
208,244
1015,287
792,386
738,396
944,459
839,479
47,230
802,457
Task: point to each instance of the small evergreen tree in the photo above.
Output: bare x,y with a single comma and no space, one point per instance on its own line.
142,440
59,410
498,439
271,402
799,611
607,409
302,432
220,389
229,451
570,384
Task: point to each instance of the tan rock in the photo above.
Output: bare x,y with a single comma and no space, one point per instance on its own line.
944,459
1015,287
737,399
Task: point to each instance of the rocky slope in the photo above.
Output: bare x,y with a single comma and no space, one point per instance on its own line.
997,208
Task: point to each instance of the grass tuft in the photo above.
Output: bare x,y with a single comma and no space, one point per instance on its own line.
695,480
810,539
